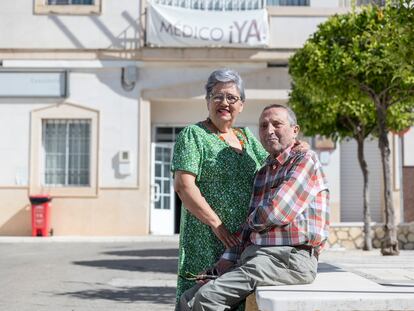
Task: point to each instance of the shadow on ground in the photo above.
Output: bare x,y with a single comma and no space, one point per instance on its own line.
159,295
169,252
325,267
140,265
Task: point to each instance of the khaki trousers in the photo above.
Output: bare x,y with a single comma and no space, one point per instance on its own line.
259,266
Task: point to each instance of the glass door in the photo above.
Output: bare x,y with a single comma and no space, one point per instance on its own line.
162,191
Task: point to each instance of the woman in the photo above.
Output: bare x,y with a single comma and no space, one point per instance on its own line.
214,165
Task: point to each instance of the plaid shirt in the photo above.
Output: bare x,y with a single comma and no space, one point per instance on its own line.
289,205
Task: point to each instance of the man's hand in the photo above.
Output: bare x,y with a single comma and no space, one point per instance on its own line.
223,265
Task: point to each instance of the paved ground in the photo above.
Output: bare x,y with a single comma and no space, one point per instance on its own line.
77,276
68,274
385,270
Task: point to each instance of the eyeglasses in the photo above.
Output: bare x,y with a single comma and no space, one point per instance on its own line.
219,98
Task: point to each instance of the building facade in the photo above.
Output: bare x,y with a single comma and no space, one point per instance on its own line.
92,100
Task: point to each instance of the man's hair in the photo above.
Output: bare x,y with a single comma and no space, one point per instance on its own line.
224,75
291,115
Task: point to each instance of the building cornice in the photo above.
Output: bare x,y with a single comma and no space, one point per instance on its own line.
147,54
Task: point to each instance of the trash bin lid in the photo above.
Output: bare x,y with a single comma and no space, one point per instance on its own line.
40,198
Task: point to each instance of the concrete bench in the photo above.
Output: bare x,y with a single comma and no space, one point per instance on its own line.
333,289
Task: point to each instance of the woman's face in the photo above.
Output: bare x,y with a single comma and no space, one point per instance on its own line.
224,103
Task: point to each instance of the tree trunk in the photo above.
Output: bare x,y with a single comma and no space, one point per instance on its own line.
389,245
365,194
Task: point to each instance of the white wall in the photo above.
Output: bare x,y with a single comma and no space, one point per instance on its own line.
117,27
326,3
291,26
118,128
14,142
292,31
99,89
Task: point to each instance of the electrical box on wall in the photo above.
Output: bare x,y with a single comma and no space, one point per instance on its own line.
124,162
124,156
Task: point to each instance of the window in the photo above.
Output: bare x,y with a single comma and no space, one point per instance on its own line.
70,2
288,2
64,151
69,7
166,134
66,146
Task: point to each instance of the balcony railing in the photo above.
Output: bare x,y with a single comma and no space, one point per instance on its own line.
348,3
236,5
288,2
231,5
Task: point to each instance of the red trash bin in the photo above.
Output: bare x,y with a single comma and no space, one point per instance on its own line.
40,214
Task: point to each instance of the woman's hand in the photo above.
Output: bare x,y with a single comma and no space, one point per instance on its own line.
301,146
228,239
194,201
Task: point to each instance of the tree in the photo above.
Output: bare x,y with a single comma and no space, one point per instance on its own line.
367,56
338,119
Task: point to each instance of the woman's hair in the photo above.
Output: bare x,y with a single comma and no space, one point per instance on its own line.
224,75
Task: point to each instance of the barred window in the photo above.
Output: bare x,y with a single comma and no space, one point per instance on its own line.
67,7
69,2
67,149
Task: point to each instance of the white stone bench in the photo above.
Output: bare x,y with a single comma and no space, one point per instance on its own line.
333,290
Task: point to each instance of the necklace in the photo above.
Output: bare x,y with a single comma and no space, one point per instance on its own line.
219,134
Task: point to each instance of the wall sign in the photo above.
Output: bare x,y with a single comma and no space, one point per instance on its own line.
33,84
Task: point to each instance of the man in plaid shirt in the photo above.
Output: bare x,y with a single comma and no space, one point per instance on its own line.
287,224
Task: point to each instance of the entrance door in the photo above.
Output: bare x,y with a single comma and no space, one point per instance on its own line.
162,192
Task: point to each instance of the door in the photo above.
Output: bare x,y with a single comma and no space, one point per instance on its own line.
162,192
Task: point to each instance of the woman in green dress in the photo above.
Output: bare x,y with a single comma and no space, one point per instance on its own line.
214,166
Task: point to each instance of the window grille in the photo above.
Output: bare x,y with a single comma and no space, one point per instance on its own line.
66,145
70,2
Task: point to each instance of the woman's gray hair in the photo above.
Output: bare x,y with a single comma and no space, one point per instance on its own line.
224,75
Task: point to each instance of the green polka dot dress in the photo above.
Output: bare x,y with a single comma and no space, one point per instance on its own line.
225,179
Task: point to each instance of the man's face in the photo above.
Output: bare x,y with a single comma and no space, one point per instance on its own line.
276,133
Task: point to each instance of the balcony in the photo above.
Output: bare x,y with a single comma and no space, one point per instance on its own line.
236,5
231,5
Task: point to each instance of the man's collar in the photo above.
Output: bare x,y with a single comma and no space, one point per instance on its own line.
282,157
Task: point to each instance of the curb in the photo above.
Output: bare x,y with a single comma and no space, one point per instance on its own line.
89,239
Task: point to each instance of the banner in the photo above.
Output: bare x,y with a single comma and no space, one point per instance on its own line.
169,26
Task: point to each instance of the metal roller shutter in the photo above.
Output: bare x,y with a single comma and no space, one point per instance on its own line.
351,181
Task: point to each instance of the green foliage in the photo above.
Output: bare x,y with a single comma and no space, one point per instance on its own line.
352,64
333,117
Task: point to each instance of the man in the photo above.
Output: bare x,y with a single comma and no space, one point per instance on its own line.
287,224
